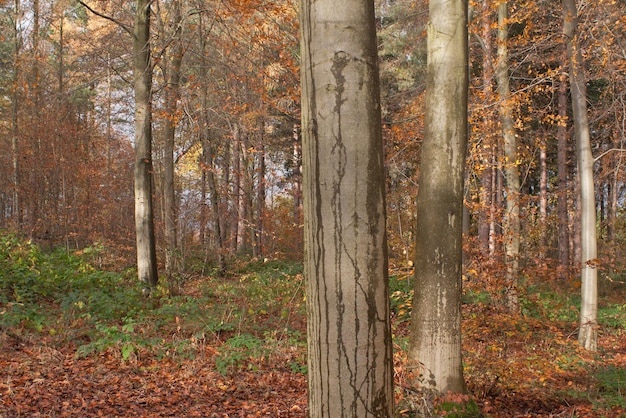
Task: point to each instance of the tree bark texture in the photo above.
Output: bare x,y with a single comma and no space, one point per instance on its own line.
435,346
349,336
511,218
563,170
15,130
144,215
171,108
588,334
487,184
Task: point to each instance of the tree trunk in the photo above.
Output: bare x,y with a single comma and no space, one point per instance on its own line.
236,156
588,334
487,184
349,335
297,176
435,346
144,216
172,76
260,192
511,218
614,187
209,169
563,171
15,157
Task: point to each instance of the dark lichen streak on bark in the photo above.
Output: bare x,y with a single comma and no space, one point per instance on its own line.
316,233
338,155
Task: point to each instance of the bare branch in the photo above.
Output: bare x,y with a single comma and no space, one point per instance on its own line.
112,19
607,152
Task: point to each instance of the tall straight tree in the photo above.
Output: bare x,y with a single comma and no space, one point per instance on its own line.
349,334
15,131
588,333
435,346
171,70
142,84
144,214
511,219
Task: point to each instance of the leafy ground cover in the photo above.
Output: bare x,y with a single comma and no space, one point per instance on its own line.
79,341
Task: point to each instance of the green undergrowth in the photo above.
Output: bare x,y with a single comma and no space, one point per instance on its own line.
252,316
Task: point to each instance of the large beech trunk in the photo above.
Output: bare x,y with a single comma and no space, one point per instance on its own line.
144,215
349,334
435,346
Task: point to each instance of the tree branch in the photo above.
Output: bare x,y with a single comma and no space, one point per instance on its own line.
607,152
112,19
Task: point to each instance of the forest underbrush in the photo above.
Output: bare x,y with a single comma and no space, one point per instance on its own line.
80,340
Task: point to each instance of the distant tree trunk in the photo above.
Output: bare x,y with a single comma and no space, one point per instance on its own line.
236,156
588,334
487,183
245,200
543,192
260,195
563,171
614,186
144,215
297,175
435,345
209,169
15,131
511,218
349,334
172,89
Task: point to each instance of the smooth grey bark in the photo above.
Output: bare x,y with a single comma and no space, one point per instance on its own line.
172,88
511,218
350,362
435,346
588,334
144,215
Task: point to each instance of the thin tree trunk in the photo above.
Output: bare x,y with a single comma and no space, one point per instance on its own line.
588,334
349,333
511,218
15,131
435,345
563,171
236,155
487,184
144,215
614,188
297,176
209,168
260,195
172,92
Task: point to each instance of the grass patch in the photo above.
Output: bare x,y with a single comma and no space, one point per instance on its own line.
62,295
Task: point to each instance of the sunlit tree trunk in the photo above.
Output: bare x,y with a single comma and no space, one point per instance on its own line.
144,215
588,334
511,218
349,334
435,345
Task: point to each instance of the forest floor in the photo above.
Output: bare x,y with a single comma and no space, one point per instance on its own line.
235,347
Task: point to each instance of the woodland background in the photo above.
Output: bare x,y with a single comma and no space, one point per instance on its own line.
66,119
